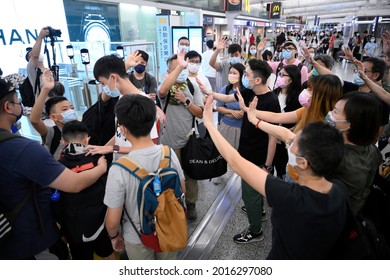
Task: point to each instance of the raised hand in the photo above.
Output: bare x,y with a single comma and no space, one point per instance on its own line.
132,59
208,112
306,54
221,44
262,44
48,81
348,54
361,69
252,111
386,43
180,58
241,101
202,87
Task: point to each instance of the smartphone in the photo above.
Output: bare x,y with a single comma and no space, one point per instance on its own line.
69,51
120,52
84,56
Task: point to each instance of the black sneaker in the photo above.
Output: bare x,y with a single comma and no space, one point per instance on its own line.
263,214
191,211
247,236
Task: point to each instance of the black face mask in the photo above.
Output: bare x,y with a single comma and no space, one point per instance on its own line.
139,68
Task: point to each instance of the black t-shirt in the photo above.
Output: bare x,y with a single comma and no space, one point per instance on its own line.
305,223
253,141
348,87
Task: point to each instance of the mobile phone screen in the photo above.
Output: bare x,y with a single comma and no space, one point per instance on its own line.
120,52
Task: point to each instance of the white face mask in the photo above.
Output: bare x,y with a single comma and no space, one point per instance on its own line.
193,68
69,115
112,93
182,76
292,158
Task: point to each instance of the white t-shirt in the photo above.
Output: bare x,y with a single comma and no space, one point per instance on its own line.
207,70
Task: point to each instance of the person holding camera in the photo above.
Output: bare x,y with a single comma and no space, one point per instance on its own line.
35,60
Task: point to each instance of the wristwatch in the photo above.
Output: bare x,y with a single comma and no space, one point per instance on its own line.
115,148
187,103
270,168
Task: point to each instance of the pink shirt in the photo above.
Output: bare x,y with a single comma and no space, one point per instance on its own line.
274,65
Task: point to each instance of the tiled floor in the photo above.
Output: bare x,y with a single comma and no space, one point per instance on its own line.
224,248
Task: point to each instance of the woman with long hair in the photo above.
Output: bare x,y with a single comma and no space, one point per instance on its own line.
230,123
287,87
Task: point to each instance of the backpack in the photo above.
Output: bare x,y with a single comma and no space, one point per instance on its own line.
359,239
100,120
27,93
7,218
162,217
55,142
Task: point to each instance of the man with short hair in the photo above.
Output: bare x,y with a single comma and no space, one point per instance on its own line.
26,166
183,44
181,106
289,53
235,56
255,145
142,79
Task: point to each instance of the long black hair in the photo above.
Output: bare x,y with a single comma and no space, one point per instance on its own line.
240,68
295,88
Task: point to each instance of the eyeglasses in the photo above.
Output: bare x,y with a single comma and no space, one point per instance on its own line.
19,103
365,71
280,74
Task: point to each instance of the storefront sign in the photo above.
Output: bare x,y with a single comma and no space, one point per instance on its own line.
233,5
275,10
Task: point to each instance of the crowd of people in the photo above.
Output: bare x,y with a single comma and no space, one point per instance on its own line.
301,139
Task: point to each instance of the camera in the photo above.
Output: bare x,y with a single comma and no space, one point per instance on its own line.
54,32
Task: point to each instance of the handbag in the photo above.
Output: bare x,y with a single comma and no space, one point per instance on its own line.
200,158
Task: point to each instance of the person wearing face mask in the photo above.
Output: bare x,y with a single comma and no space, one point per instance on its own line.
58,108
110,71
325,90
289,52
314,152
252,52
288,89
235,56
369,48
357,116
254,145
181,104
30,169
142,79
373,69
183,44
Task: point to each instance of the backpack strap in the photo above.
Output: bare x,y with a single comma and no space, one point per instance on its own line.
165,157
55,142
132,167
190,87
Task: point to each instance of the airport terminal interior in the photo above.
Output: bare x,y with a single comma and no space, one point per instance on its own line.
92,29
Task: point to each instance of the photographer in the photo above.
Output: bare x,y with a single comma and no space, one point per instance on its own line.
35,60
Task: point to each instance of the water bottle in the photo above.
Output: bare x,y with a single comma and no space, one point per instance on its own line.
156,185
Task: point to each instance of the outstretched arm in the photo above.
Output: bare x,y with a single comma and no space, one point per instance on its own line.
379,91
252,174
277,131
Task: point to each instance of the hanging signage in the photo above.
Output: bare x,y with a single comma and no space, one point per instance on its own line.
163,42
275,10
233,5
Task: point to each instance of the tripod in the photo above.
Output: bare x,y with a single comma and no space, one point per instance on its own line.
55,69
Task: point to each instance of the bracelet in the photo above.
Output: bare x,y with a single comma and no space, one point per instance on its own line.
257,124
116,235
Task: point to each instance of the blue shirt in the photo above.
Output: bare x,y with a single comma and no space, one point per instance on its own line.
22,162
232,106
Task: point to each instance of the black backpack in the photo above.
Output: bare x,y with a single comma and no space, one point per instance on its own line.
27,93
100,120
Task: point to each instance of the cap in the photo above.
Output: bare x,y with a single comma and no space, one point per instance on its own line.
41,57
286,43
